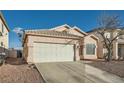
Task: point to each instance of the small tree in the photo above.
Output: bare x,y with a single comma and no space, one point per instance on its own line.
109,24
20,35
20,32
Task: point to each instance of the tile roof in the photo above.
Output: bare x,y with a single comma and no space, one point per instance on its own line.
51,33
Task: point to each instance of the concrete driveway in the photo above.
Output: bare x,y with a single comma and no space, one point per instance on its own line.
75,72
62,72
65,72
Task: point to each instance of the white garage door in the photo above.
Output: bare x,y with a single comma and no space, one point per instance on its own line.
44,52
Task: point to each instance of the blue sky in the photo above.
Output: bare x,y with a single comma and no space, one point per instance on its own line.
44,19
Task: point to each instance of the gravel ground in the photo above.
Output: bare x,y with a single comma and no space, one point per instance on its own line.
19,74
115,67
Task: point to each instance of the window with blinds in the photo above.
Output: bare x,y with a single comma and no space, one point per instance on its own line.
90,49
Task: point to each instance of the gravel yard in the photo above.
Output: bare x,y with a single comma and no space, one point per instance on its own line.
115,67
18,73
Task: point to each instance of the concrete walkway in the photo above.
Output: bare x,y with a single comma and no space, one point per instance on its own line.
72,72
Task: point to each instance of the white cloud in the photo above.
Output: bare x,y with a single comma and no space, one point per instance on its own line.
18,30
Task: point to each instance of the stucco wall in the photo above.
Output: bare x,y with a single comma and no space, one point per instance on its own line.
100,45
89,40
5,34
32,39
115,50
101,50
25,49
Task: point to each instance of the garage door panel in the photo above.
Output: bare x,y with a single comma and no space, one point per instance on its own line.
53,52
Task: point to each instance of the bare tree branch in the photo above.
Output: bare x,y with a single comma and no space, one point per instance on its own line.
109,24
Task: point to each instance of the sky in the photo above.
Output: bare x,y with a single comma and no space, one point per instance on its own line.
45,19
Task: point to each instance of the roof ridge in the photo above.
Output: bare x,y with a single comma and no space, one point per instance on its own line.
60,26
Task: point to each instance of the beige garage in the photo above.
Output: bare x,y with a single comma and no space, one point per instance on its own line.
50,46
50,52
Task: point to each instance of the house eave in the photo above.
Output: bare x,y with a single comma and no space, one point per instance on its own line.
4,21
41,35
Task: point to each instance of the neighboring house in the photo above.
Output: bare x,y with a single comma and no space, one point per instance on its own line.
118,44
4,35
59,44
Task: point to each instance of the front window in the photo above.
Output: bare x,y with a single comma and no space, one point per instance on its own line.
90,49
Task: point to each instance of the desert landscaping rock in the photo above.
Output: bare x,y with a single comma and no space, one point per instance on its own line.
19,74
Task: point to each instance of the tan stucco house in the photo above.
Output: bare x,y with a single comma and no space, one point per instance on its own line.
118,44
4,34
58,44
